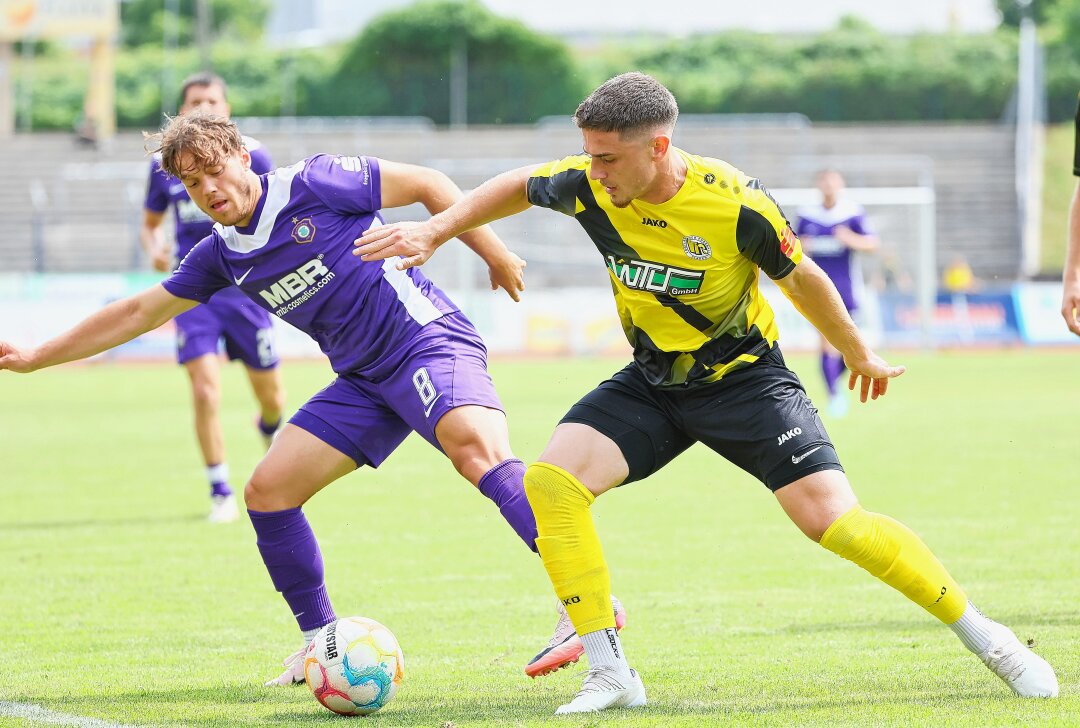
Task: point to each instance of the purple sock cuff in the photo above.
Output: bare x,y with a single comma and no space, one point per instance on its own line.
504,485
220,488
494,484
269,429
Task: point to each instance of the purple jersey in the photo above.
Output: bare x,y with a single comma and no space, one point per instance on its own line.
295,260
192,224
837,260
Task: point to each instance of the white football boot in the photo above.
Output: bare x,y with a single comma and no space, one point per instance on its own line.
565,648
223,509
605,687
294,670
1029,675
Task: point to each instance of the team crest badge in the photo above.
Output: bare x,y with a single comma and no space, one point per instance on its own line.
303,230
696,247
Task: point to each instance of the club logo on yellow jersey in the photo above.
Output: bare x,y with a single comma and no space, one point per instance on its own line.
696,247
642,275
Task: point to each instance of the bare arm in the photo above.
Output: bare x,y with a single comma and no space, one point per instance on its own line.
404,184
113,325
152,237
856,241
816,298
499,197
1070,298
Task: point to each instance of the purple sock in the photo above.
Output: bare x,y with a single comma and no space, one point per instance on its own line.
832,367
504,484
268,429
220,488
292,557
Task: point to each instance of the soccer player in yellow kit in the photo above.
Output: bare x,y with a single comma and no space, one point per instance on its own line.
683,238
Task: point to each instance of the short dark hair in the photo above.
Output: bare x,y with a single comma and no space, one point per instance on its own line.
202,78
628,103
207,138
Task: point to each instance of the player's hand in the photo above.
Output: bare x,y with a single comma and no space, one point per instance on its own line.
161,259
508,273
15,360
1070,306
409,240
871,373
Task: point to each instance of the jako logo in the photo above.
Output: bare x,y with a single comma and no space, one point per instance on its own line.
571,600
788,435
296,283
653,223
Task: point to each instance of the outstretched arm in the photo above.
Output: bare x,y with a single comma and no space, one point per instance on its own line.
404,184
497,198
113,325
817,299
1070,298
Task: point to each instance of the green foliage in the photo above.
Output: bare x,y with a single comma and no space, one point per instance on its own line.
401,65
143,21
852,73
1011,10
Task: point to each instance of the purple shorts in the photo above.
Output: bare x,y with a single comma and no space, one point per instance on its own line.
444,367
231,317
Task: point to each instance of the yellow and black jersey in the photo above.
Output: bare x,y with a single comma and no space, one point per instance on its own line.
684,272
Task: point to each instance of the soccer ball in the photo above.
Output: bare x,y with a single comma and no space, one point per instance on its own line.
354,666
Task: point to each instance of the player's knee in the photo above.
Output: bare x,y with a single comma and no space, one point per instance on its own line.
473,460
263,493
207,394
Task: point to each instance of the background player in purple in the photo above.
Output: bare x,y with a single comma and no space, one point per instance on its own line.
406,358
229,317
832,232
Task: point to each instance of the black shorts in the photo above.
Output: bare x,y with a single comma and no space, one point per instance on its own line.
758,418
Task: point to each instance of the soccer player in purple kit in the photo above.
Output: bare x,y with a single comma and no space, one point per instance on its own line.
832,232
229,316
406,358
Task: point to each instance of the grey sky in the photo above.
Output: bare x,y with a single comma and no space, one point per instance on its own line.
333,19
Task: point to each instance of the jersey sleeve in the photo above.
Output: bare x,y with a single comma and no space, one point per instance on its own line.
763,233
349,185
802,223
261,163
157,189
859,224
199,275
555,185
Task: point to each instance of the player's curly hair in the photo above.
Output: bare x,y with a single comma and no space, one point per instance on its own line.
628,103
206,138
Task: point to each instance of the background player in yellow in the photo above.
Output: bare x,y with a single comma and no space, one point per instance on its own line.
684,238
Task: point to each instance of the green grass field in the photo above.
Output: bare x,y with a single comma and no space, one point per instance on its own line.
118,602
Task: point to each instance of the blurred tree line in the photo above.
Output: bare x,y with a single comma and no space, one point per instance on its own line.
402,63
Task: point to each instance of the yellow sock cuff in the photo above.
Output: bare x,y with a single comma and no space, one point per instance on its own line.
893,553
569,546
561,480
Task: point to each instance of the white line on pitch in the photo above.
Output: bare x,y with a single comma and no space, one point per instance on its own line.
37,714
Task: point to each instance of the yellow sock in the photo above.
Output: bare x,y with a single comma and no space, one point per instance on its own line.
569,545
893,553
